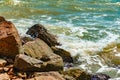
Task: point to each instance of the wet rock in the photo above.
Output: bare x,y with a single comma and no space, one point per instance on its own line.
76,74
39,31
2,62
100,76
66,56
10,43
109,54
4,76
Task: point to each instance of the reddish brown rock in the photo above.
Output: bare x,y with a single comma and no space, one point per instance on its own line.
10,43
39,31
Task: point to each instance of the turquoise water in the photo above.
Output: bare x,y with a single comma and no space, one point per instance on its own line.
84,27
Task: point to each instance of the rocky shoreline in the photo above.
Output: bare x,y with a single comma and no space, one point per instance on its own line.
36,57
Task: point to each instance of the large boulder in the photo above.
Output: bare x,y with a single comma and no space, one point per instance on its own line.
43,56
10,43
39,31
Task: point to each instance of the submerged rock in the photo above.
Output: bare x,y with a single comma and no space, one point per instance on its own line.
39,31
10,43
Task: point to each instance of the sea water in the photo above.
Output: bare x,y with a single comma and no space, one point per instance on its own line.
83,27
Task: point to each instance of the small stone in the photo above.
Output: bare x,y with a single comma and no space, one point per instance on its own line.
22,74
6,69
2,62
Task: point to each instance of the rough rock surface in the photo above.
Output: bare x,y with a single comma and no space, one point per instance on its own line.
2,19
47,76
27,63
66,56
10,43
40,50
76,74
2,62
39,31
37,48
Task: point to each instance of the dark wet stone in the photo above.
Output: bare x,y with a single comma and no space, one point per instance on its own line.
100,76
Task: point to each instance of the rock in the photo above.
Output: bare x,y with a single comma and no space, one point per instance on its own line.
1,70
32,64
100,76
2,19
48,76
39,31
2,62
37,48
109,54
4,76
25,39
66,56
22,75
76,74
40,50
10,43
8,68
